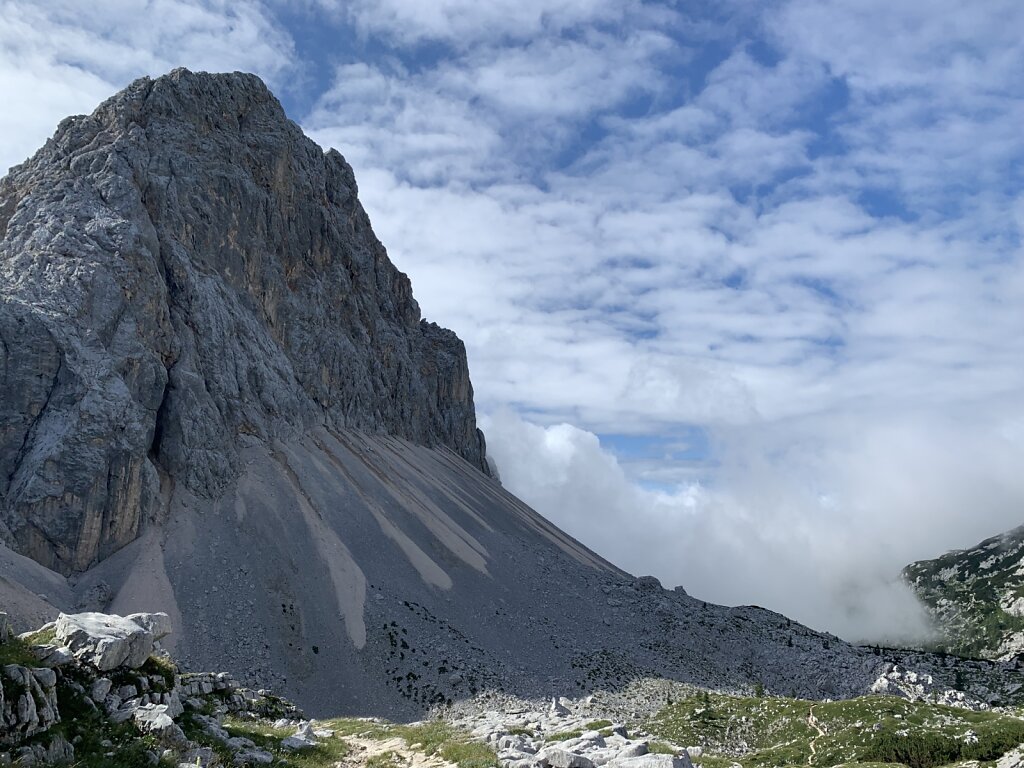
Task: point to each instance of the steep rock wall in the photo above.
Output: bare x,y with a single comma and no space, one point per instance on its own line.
180,272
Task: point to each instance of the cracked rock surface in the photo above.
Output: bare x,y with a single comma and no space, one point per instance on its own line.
180,270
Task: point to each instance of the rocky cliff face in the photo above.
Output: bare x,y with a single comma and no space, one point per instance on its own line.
183,273
976,596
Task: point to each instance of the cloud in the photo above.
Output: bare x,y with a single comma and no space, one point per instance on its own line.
813,518
491,115
459,22
933,98
56,60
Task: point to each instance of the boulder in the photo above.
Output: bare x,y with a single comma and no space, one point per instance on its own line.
159,624
153,719
99,689
636,749
653,761
52,655
253,757
556,757
108,642
303,738
28,702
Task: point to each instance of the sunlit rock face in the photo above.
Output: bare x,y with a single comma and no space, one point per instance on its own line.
180,272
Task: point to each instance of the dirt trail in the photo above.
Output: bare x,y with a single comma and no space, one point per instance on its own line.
403,756
813,722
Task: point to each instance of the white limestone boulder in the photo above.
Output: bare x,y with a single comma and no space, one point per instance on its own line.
653,761
159,624
153,719
556,757
107,642
303,738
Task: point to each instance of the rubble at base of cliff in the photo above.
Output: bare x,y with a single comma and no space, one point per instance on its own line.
96,685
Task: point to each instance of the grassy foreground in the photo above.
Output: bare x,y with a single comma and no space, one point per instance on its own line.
871,730
435,739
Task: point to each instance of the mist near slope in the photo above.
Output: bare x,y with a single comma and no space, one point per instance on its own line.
812,518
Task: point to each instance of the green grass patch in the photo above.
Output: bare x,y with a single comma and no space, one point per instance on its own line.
517,731
160,666
42,637
441,739
326,753
16,651
384,760
597,725
431,738
352,726
660,748
769,732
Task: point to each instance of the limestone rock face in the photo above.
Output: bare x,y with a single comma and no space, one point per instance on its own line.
181,271
974,596
28,702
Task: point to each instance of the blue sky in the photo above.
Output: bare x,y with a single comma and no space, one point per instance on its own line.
740,282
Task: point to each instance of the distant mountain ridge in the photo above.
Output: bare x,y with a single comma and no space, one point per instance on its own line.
976,596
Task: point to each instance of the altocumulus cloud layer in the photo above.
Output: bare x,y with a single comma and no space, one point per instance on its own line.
741,288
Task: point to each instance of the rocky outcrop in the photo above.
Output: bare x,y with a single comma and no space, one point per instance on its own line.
183,272
976,596
108,642
147,692
565,735
28,702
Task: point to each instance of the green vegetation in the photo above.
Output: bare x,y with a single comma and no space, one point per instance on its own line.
441,739
384,760
964,591
42,637
160,666
597,725
433,738
327,753
98,742
661,748
16,651
768,732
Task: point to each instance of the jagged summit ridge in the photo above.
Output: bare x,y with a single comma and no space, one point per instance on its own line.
182,273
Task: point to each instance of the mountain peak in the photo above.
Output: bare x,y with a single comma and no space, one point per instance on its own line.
185,271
